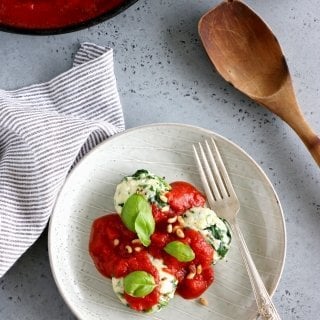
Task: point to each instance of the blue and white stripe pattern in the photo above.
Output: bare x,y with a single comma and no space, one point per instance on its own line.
44,130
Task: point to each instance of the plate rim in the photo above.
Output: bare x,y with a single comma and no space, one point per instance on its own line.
142,127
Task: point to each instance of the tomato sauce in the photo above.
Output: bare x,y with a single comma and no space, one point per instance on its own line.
184,196
181,197
112,259
47,14
110,238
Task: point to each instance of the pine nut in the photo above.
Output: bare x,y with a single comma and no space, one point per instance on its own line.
199,269
169,228
136,241
203,301
137,249
165,209
181,220
175,228
192,268
163,198
191,275
116,242
173,219
180,233
129,249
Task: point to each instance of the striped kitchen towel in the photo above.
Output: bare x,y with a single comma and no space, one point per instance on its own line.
44,130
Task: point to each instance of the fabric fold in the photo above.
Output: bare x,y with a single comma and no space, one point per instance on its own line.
44,130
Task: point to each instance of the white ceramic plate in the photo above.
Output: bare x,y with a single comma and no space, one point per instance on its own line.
166,150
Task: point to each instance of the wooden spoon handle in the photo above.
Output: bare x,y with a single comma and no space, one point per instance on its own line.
315,151
285,105
296,120
307,135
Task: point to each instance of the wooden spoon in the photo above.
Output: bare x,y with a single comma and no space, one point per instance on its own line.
246,53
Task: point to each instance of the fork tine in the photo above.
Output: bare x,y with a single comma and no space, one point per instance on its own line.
212,183
223,169
204,180
223,191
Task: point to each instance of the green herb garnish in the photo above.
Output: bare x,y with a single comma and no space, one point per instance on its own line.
139,284
137,216
182,252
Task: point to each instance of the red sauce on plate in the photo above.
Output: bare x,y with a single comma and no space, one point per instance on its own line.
184,196
47,14
115,260
112,259
187,288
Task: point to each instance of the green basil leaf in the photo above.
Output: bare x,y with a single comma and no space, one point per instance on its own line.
145,224
137,217
139,284
182,252
131,209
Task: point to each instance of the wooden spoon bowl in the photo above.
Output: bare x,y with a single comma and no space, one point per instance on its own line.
246,53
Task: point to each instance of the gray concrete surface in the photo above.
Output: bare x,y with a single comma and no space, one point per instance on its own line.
164,76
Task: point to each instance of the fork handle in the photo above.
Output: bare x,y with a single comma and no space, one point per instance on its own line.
266,308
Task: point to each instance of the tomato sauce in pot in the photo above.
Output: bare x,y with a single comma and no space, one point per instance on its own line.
50,14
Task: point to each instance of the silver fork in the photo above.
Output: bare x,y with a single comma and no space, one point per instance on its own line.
223,200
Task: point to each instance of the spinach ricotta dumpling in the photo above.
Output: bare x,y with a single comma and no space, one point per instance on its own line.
214,229
152,187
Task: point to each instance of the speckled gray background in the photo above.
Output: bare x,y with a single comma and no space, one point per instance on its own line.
164,76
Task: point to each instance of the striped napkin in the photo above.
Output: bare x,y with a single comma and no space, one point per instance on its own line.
44,130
